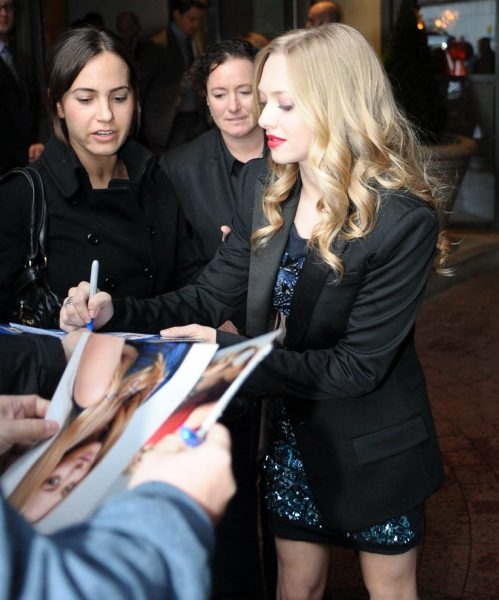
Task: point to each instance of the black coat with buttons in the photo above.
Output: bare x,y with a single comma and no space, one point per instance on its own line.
135,227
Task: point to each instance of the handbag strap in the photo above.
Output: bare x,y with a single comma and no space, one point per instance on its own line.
38,219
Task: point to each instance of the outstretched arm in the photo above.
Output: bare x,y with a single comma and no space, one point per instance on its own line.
152,542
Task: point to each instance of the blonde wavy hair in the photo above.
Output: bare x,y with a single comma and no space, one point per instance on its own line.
361,141
106,420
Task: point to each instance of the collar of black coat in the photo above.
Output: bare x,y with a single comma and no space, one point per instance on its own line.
68,174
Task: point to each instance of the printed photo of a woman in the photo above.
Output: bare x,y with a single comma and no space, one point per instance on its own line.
113,379
216,379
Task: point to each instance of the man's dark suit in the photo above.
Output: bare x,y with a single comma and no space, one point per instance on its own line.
165,94
19,114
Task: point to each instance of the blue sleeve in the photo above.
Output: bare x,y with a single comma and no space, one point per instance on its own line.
153,542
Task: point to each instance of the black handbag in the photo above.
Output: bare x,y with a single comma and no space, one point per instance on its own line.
32,301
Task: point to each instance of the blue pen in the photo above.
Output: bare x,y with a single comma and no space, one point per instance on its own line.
94,276
194,437
190,436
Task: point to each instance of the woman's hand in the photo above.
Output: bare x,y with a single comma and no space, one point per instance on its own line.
229,327
78,310
194,332
35,151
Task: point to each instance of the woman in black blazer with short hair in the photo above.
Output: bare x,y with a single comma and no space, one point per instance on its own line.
335,253
205,171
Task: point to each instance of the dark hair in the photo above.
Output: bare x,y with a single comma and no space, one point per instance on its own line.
214,56
71,52
93,18
184,5
128,14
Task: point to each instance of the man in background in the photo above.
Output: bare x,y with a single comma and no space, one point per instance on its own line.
20,105
147,54
174,114
320,13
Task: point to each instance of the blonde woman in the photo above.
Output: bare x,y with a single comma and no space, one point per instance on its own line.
336,252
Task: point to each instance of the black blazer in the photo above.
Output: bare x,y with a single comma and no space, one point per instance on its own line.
31,364
349,374
20,109
199,173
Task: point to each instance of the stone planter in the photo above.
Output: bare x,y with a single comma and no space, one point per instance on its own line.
450,161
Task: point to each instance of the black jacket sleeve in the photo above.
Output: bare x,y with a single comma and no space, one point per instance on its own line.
30,363
15,205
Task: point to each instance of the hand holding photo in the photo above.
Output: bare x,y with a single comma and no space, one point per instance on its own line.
193,436
116,399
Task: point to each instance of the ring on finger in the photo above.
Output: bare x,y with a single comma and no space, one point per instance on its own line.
68,301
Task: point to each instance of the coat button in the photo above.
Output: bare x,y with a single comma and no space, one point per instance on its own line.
110,283
93,239
150,230
148,273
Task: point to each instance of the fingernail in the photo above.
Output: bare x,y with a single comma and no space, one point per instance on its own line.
51,426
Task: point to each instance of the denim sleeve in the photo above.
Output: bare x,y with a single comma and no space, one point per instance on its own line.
153,542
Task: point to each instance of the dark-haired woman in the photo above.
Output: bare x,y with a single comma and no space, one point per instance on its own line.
204,172
107,199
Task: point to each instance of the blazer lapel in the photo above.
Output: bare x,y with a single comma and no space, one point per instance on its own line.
264,265
312,278
308,287
263,270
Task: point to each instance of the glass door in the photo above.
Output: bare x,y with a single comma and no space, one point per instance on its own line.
464,34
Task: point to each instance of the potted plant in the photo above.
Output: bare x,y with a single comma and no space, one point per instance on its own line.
422,93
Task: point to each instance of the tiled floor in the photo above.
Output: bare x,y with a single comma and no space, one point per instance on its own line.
458,343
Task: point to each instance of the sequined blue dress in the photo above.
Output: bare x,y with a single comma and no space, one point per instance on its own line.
288,498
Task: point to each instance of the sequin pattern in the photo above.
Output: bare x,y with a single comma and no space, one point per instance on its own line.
287,493
395,531
286,280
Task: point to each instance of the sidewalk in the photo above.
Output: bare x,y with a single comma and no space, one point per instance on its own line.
458,343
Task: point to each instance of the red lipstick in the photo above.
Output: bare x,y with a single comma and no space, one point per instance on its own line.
274,141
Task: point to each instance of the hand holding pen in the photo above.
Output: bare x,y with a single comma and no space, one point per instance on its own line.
81,307
203,473
195,436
